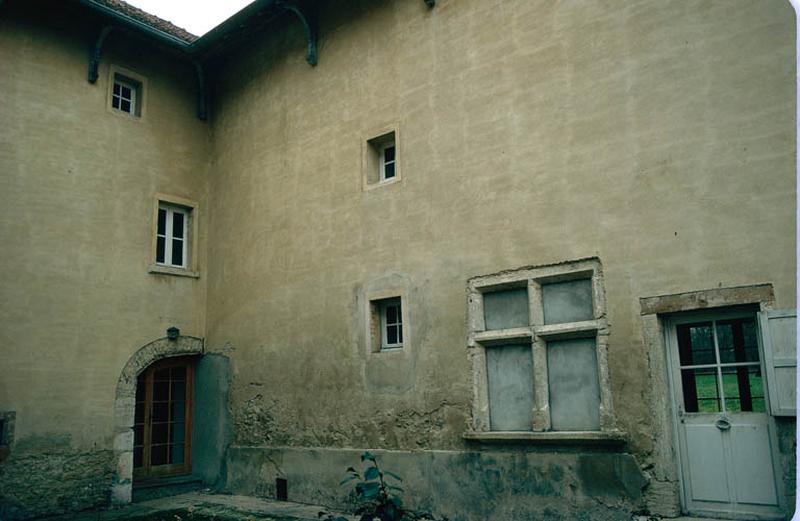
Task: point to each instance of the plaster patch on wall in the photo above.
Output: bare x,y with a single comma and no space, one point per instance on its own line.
259,421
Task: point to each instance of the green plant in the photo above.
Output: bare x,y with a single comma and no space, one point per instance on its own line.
377,498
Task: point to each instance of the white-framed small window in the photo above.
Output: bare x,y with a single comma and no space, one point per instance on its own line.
123,95
388,159
126,92
381,160
391,317
172,236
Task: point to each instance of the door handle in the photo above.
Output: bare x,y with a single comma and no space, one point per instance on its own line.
723,423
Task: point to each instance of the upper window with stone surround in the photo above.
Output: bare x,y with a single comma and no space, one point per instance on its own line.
538,339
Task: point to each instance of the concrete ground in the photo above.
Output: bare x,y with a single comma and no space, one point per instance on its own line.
207,505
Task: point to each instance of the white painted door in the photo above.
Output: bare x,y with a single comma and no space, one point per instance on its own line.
725,434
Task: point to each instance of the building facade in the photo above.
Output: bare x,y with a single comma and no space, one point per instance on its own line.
539,257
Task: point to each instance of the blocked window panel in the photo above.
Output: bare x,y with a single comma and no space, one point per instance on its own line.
573,384
506,309
509,370
569,301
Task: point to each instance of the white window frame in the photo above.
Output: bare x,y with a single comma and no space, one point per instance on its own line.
190,209
171,211
384,163
383,306
373,160
538,334
133,101
130,79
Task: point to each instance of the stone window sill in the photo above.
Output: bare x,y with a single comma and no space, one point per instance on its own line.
178,272
589,438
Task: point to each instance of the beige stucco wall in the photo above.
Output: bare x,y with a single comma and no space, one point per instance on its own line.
658,136
77,192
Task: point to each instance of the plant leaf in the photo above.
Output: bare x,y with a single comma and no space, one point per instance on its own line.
347,480
371,473
367,456
392,474
395,487
370,490
351,469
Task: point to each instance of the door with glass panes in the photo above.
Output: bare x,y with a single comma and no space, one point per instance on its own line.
163,419
725,433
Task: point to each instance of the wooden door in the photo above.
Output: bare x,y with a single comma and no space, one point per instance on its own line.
726,437
163,419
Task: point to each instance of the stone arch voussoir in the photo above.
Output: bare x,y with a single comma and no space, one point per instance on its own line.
125,406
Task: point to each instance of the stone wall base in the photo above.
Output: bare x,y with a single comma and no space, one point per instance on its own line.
38,483
462,485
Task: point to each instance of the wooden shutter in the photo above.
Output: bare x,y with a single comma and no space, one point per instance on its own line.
779,336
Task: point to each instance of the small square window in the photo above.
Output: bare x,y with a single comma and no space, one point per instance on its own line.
126,92
381,163
386,324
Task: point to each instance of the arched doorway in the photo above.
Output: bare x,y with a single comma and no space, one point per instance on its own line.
126,399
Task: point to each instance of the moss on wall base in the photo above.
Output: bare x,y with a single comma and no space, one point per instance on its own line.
38,483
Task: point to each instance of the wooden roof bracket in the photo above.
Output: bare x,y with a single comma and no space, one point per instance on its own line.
308,17
94,59
202,103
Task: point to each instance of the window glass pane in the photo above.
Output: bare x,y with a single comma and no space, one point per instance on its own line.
509,371
158,433
573,384
116,89
115,102
388,171
177,225
125,92
158,454
160,412
138,434
178,411
696,344
177,453
569,301
160,243
388,154
178,373
160,391
137,456
737,341
391,314
700,390
178,391
177,433
125,105
161,375
400,334
162,221
744,389
391,334
506,309
177,252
